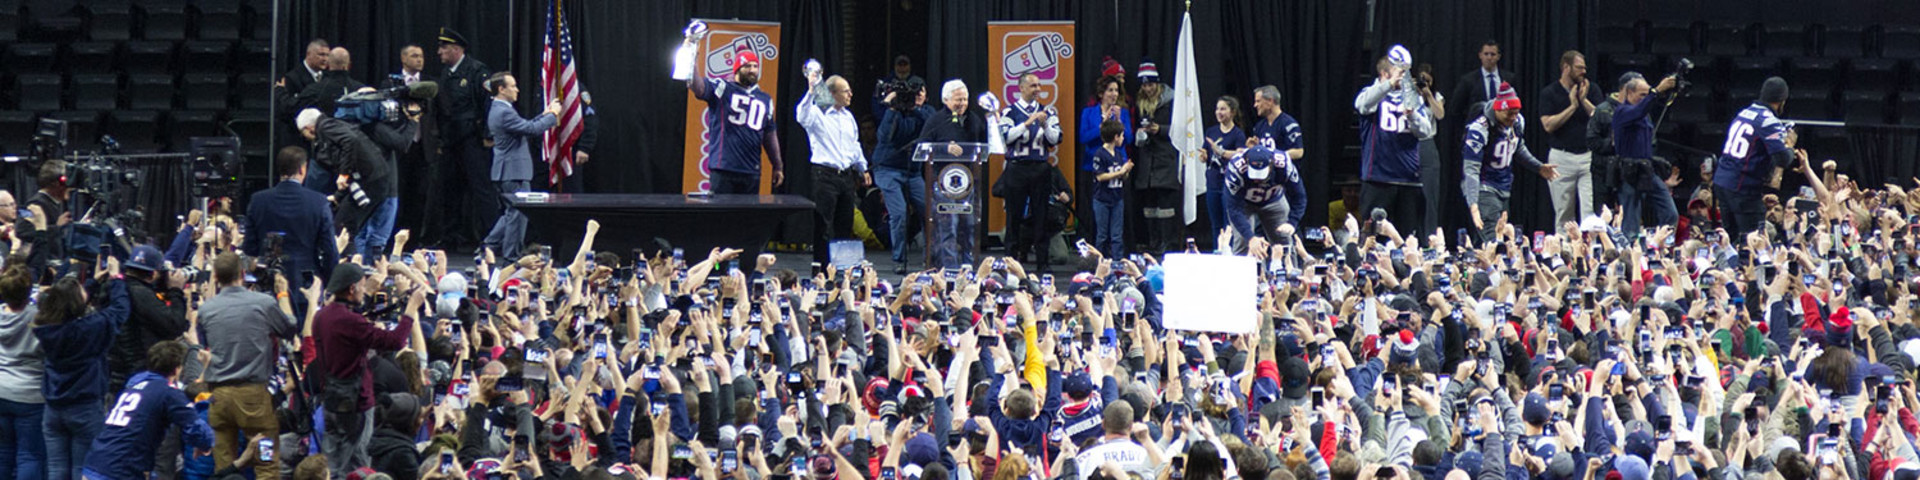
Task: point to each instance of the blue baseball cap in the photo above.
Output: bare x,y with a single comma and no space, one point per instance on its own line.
148,258
1259,163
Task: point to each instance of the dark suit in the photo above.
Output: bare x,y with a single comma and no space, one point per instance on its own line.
462,114
1471,89
419,165
304,217
287,103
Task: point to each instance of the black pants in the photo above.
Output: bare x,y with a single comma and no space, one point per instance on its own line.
835,194
1161,228
413,173
1027,188
1402,203
1740,212
724,183
478,199
1433,184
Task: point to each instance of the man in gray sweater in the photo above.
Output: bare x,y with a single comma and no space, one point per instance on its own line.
239,326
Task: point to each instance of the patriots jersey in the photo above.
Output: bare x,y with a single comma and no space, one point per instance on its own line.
1283,179
1032,142
137,421
737,120
1754,135
1389,146
1282,134
1493,149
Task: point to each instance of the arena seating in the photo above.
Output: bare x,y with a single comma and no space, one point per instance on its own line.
128,69
1861,75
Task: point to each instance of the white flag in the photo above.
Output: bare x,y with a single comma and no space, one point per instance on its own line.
1189,135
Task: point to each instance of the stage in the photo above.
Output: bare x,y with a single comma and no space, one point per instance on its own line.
696,223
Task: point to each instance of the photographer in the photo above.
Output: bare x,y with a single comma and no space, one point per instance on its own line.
302,220
362,175
239,327
159,312
893,168
1633,141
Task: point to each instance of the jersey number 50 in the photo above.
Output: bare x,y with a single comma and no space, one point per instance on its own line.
748,111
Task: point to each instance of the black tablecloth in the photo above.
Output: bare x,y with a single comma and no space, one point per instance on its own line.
628,221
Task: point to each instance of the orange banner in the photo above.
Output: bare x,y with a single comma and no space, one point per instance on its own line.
714,60
1044,49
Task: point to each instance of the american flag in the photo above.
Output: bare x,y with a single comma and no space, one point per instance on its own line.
557,80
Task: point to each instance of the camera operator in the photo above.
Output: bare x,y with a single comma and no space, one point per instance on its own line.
343,338
40,229
240,327
361,172
901,184
159,313
899,84
1633,140
395,137
301,216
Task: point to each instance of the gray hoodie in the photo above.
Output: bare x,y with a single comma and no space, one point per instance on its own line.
21,363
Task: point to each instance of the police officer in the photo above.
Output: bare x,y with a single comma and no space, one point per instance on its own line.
463,103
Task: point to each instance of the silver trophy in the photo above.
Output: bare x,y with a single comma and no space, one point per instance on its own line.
996,142
812,70
683,59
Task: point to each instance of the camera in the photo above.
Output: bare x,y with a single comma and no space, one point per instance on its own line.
1681,68
384,106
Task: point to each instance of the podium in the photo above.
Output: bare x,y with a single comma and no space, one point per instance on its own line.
954,201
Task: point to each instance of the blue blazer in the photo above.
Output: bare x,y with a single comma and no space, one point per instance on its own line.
511,161
303,215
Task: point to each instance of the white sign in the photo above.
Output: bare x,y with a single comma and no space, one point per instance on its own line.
1210,293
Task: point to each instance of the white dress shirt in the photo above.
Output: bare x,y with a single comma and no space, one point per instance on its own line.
834,135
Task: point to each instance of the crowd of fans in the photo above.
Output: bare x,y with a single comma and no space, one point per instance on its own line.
1787,353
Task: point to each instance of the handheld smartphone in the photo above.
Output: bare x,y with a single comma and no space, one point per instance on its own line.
1319,396
888,473
1179,470
657,408
446,461
729,460
266,450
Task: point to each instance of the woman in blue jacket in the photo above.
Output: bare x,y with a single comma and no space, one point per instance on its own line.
76,344
1108,103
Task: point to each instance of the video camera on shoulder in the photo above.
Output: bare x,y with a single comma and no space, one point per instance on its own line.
384,106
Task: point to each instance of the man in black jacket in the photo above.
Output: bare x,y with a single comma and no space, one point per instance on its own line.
159,313
420,164
391,448
946,130
324,94
43,227
582,147
361,170
287,90
462,115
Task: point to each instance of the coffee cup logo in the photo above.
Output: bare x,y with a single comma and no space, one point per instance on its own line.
1041,53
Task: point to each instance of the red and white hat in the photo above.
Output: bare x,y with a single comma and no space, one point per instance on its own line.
1506,99
1148,71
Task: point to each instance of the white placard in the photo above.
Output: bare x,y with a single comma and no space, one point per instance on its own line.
1210,293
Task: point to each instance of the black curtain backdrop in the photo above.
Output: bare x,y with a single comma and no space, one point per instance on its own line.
1317,52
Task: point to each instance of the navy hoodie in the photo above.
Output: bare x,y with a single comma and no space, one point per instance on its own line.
77,350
